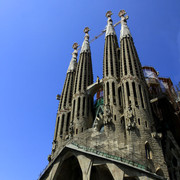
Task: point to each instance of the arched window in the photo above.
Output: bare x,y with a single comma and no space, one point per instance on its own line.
71,173
148,151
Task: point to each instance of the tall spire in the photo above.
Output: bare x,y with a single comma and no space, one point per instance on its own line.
124,28
64,110
110,61
109,27
85,45
81,118
73,63
137,115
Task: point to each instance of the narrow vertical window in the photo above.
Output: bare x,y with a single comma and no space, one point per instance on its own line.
124,55
135,95
81,71
128,93
85,75
111,58
108,88
146,124
114,117
148,151
74,103
62,125
146,100
57,127
106,59
67,122
114,95
142,102
120,96
87,106
124,101
78,109
71,89
76,131
108,92
66,90
139,122
113,88
122,120
83,106
129,59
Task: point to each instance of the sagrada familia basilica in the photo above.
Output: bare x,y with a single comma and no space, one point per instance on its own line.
131,131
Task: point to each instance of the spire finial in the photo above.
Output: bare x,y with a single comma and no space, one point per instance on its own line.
73,63
109,14
124,28
85,45
109,27
86,30
122,13
75,46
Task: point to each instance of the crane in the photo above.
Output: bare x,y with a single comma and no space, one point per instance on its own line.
103,31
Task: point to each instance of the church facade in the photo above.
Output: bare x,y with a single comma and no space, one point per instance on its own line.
126,133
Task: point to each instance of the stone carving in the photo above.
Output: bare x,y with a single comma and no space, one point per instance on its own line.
96,124
131,119
108,113
97,80
71,129
54,145
156,135
49,158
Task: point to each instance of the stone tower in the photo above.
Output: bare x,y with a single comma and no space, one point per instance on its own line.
110,73
113,137
64,109
136,115
81,118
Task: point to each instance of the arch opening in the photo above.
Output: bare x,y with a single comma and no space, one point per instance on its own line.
148,151
100,172
159,172
70,170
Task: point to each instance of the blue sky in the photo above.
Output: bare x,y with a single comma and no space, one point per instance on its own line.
36,38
